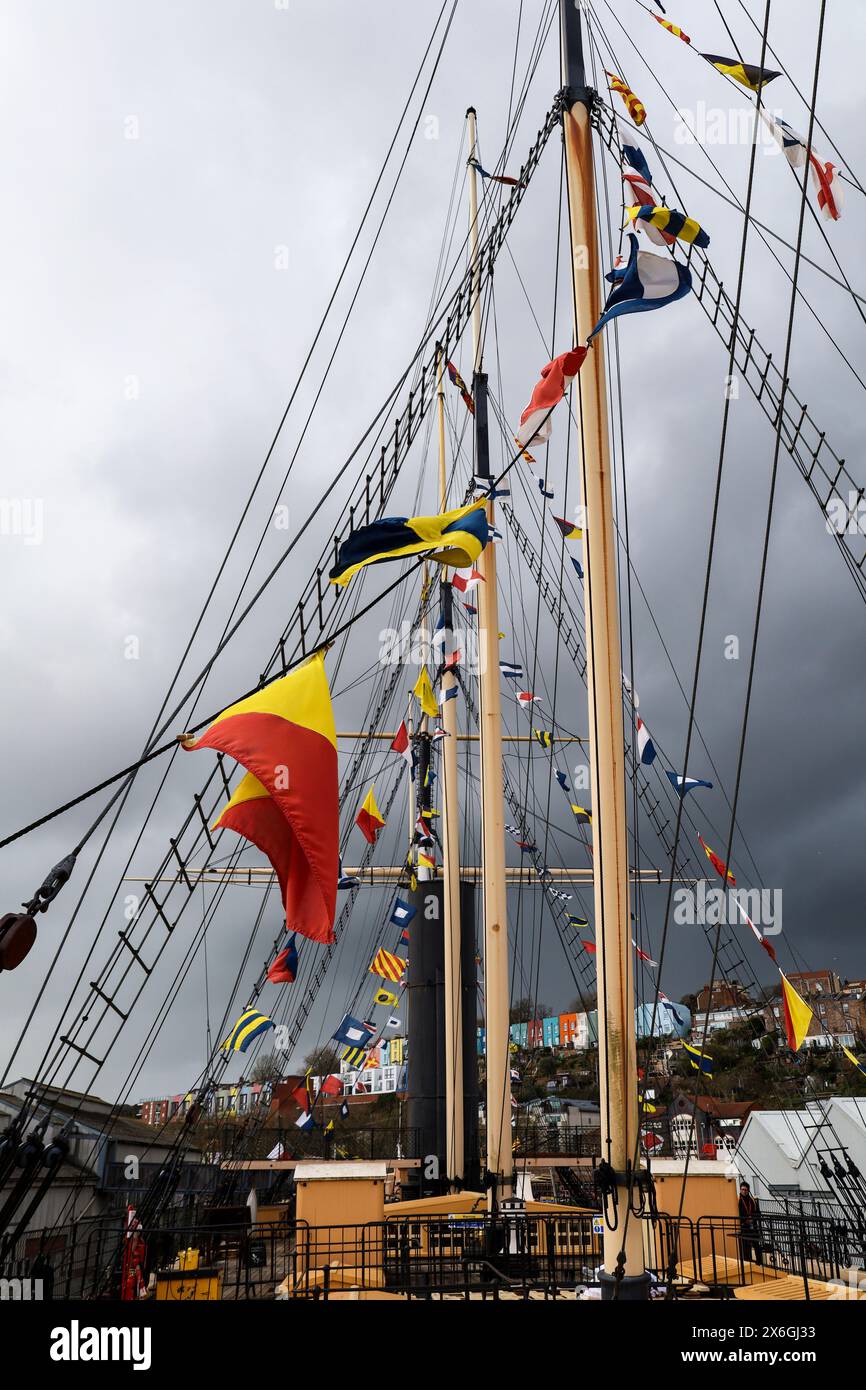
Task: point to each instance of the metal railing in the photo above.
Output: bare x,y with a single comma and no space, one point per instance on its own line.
468,1255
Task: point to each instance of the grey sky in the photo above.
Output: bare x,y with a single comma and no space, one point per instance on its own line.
145,267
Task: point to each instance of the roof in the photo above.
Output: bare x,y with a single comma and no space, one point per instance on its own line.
89,1112
725,1109
787,1131
350,1170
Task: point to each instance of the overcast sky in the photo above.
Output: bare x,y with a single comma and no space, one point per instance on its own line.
180,187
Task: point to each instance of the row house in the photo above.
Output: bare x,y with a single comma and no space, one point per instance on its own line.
837,1019
723,994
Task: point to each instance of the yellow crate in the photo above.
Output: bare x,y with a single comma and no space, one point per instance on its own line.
188,1286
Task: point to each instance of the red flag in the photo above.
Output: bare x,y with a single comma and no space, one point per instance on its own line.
288,804
301,1097
718,864
283,970
331,1086
556,378
464,580
369,819
402,744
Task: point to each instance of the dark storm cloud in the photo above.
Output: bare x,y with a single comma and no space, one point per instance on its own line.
149,348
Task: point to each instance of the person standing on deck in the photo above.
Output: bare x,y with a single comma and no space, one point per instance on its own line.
750,1217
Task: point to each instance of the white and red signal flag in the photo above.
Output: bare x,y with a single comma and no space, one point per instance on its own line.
556,377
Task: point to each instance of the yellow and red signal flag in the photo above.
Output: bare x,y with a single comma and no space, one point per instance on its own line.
718,864
288,804
798,1015
671,28
369,819
633,105
390,967
457,380
253,813
570,532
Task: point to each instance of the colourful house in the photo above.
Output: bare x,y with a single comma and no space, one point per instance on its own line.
550,1031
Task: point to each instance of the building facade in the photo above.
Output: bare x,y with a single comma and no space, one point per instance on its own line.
839,1010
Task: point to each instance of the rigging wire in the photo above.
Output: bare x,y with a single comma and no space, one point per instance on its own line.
817,317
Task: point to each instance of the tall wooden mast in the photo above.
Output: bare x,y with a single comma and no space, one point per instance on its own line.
500,1162
454,1137
623,1247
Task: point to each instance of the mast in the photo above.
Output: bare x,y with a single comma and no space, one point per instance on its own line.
616,1040
412,816
454,1138
500,1162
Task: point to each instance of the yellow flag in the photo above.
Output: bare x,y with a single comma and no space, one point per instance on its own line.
798,1015
384,996
852,1058
424,693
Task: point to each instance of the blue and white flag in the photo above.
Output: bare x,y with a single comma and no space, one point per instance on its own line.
666,1004
352,1032
450,694
648,281
683,785
402,913
511,671
305,1121
346,880
633,158
645,745
563,782
543,490
485,485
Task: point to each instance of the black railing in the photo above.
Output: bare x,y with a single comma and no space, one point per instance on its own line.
470,1255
